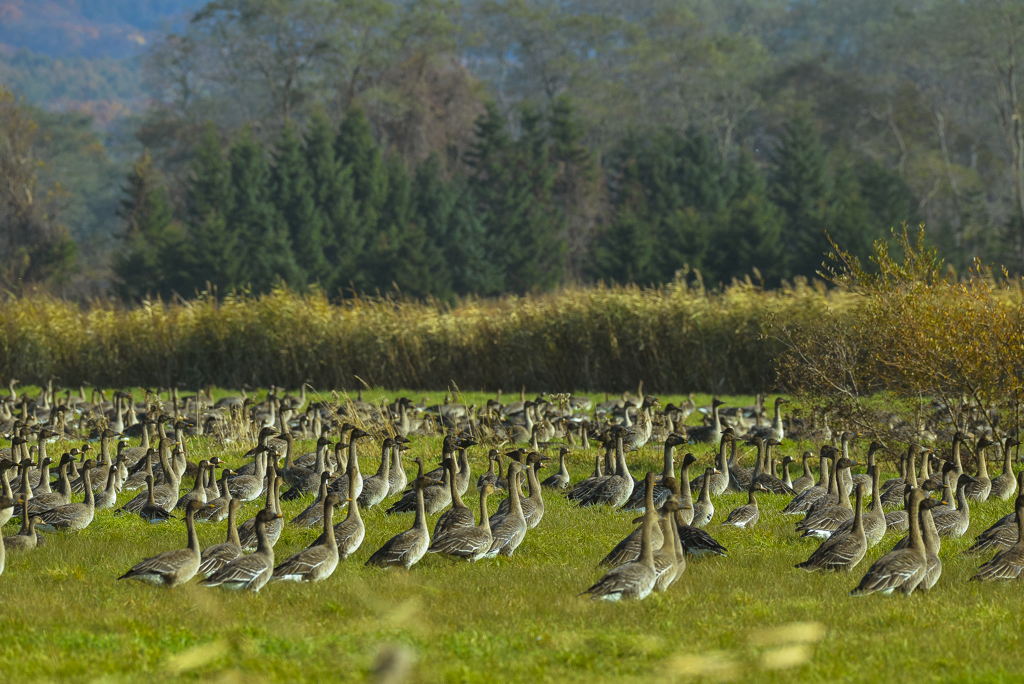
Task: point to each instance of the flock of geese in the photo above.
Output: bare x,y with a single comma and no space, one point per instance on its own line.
930,499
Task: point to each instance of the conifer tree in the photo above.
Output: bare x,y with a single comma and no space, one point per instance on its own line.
800,189
357,151
576,189
292,193
146,263
212,250
263,235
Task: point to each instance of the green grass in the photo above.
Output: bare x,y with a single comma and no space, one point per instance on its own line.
66,618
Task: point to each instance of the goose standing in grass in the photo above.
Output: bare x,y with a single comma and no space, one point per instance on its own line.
722,477
932,545
903,569
5,502
151,512
704,509
27,537
6,512
470,543
274,525
874,522
559,480
73,517
661,493
686,497
219,507
632,580
805,481
312,515
396,471
709,434
509,532
980,488
377,487
106,498
747,515
1007,564
1002,534
1004,486
841,551
695,541
775,430
459,515
803,501
349,533
317,562
491,477
172,568
955,523
250,572
533,504
406,548
670,559
39,503
247,487
614,490
198,491
217,556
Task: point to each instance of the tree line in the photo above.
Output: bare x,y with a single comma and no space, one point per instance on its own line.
327,206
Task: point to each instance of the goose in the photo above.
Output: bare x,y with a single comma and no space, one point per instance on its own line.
703,509
261,447
866,478
73,517
981,487
775,431
686,510
459,515
491,477
670,559
955,523
897,481
312,515
151,511
106,498
396,471
217,556
5,502
463,472
27,538
137,480
532,505
628,550
874,522
198,491
1004,486
661,493
249,572
165,495
470,543
247,532
406,548
932,544
803,501
508,534
841,551
6,512
172,568
349,533
582,489
318,562
559,480
340,483
632,580
836,496
739,477
377,487
720,480
895,495
805,481
786,478
709,433
1002,534
765,467
746,516
306,481
903,569
1009,563
294,474
844,477
41,502
614,490
821,522
248,487
219,507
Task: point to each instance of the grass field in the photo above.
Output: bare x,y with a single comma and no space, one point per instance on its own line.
749,616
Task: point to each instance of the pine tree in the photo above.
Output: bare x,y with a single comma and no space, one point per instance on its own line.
800,189
212,253
145,264
263,235
357,151
344,241
512,185
576,189
849,218
292,194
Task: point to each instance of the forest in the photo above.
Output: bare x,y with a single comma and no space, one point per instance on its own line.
450,149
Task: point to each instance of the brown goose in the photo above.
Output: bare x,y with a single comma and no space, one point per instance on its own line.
406,548
172,568
765,467
218,508
803,501
6,512
41,502
955,523
805,481
73,517
377,487
874,522
217,556
509,532
1004,486
491,477
340,483
459,515
633,580
396,471
27,537
247,531
582,489
249,487
306,480
747,515
470,543
932,544
903,569
249,572
841,551
981,487
317,562
703,509
165,495
661,493
720,481
866,478
695,541
1002,534
670,559
821,521
686,510
559,480
198,491
533,505
616,489
349,533
313,514
1007,564
106,498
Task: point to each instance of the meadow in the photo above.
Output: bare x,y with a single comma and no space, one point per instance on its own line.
749,616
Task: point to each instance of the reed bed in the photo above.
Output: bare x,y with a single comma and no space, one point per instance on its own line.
675,337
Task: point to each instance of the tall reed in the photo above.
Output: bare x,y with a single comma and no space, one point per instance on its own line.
674,337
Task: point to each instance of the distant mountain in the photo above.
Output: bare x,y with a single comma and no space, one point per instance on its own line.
88,28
